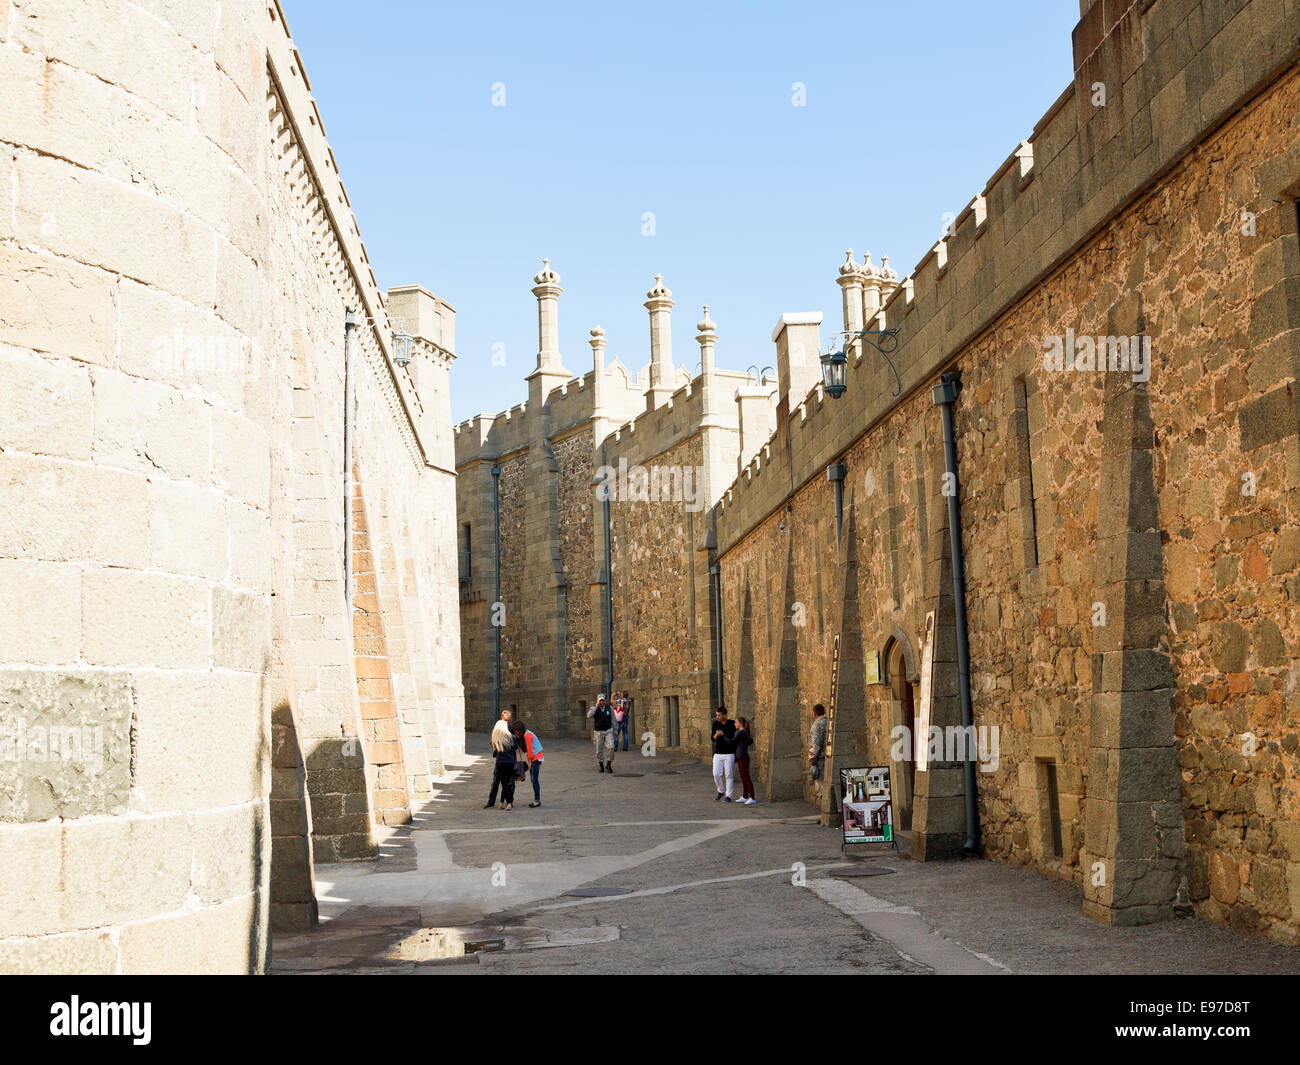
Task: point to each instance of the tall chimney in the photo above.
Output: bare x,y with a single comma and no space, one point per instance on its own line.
660,304
712,423
600,416
550,370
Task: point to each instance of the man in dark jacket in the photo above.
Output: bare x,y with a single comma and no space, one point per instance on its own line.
724,753
602,723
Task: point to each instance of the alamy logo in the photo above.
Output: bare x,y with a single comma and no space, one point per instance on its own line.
102,1018
651,484
1091,354
79,745
206,353
950,743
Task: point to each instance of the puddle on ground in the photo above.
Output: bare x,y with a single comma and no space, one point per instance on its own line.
436,944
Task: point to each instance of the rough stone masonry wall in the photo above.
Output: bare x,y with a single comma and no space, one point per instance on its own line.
891,507
134,487
514,647
1226,422
578,513
656,645
1222,321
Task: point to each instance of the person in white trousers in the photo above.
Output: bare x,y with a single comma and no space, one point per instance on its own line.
724,753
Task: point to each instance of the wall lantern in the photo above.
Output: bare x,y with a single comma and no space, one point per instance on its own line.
835,363
402,347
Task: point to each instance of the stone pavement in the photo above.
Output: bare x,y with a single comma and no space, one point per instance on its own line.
703,887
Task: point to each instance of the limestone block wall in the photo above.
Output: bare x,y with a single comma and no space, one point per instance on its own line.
401,454
134,488
177,254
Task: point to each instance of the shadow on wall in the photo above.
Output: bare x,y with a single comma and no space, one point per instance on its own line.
259,938
293,888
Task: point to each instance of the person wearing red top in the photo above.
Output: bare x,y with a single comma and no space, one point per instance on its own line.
532,748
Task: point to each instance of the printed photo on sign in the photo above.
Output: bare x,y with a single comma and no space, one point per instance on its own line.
866,805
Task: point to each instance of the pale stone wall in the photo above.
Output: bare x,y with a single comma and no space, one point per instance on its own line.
177,255
136,520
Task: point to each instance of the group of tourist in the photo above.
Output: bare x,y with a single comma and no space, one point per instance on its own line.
731,743
518,754
608,721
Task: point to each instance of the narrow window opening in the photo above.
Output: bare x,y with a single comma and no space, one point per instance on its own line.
1053,808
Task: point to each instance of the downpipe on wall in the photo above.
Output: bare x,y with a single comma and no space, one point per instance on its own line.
943,396
496,547
715,572
609,596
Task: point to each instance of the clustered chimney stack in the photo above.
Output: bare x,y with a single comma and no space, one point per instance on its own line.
850,280
660,304
871,294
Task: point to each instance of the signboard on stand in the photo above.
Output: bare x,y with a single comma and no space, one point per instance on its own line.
866,805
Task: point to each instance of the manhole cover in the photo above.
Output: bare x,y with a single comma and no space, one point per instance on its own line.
598,892
866,870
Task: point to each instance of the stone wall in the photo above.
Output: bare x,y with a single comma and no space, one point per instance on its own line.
659,576
554,587
1128,545
178,253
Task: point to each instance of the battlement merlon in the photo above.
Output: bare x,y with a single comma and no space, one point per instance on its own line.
798,356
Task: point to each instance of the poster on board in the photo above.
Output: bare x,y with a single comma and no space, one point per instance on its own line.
866,805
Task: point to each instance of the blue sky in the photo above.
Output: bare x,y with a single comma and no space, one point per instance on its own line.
613,110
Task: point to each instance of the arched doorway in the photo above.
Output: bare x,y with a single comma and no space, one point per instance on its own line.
900,672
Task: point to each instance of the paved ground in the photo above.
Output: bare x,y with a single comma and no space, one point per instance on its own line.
708,888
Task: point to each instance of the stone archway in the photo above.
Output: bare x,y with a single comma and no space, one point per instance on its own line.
902,680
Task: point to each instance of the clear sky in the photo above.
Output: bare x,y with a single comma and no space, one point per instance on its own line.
684,110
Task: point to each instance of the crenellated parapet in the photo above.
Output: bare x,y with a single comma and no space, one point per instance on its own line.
1082,163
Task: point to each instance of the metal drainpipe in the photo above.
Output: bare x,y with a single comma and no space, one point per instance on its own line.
351,322
609,595
943,397
496,536
715,571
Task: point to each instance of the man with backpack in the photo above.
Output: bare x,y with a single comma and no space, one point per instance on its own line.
602,721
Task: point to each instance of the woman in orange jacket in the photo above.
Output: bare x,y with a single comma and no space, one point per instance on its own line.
531,746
